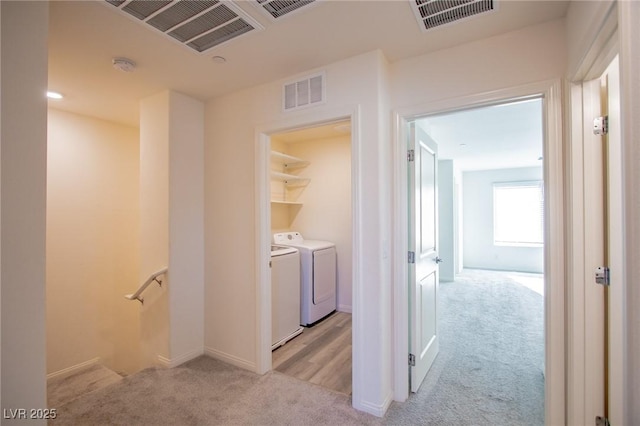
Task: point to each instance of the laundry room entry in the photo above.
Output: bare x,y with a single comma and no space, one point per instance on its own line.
310,193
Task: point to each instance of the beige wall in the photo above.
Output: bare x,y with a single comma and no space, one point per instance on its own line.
92,243
532,54
23,188
326,211
353,85
172,226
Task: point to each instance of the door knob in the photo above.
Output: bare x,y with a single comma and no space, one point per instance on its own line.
438,260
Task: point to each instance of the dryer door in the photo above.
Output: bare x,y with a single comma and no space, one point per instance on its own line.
324,275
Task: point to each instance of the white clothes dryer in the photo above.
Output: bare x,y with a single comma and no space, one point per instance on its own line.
317,275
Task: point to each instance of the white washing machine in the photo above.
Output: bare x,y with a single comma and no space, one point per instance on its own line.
285,295
317,275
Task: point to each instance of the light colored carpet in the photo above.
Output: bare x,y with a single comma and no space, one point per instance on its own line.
206,391
488,372
490,367
61,390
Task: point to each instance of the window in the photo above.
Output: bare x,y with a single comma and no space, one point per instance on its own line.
518,214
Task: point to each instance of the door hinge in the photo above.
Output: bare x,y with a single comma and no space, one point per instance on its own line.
602,421
412,360
602,275
412,257
411,154
601,125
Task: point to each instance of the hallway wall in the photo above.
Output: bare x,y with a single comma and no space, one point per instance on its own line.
92,243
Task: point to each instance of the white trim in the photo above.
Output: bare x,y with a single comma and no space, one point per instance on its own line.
378,410
583,246
629,16
174,362
554,249
66,372
230,359
263,227
345,308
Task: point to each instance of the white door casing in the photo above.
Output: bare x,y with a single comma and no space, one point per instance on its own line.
555,286
423,238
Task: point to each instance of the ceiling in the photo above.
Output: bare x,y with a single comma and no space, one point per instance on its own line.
86,35
493,137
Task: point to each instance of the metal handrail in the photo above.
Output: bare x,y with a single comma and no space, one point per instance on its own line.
143,287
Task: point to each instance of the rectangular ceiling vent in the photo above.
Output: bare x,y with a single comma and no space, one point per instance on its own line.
279,8
198,24
433,13
304,93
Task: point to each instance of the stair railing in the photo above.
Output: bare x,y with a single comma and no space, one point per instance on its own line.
153,277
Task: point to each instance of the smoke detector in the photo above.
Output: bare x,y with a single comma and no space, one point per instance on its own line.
124,64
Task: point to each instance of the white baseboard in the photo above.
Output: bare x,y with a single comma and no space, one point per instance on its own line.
174,362
230,359
377,410
345,308
65,372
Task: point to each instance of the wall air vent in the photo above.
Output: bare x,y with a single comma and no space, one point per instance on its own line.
197,24
433,13
304,93
279,8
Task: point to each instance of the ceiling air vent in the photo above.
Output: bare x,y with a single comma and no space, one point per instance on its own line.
197,24
433,13
278,8
304,93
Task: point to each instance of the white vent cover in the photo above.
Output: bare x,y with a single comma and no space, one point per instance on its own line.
279,8
433,13
304,93
197,24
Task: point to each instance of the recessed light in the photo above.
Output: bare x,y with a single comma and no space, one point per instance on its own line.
219,59
54,95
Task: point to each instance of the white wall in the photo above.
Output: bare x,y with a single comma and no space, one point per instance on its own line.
186,227
532,54
447,220
154,225
172,226
356,84
92,242
479,250
326,212
23,188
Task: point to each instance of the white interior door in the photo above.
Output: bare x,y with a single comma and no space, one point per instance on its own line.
423,268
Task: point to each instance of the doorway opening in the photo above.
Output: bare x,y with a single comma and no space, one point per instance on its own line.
311,195
552,370
490,301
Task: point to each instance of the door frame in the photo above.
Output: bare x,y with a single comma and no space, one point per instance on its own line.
604,47
554,255
262,216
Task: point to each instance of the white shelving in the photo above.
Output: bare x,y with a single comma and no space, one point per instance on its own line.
288,161
291,184
289,180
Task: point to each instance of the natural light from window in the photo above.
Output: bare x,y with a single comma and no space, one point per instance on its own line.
518,212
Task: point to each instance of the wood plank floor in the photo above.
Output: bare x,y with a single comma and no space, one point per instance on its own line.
320,355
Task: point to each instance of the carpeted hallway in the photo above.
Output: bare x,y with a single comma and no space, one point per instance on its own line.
488,372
